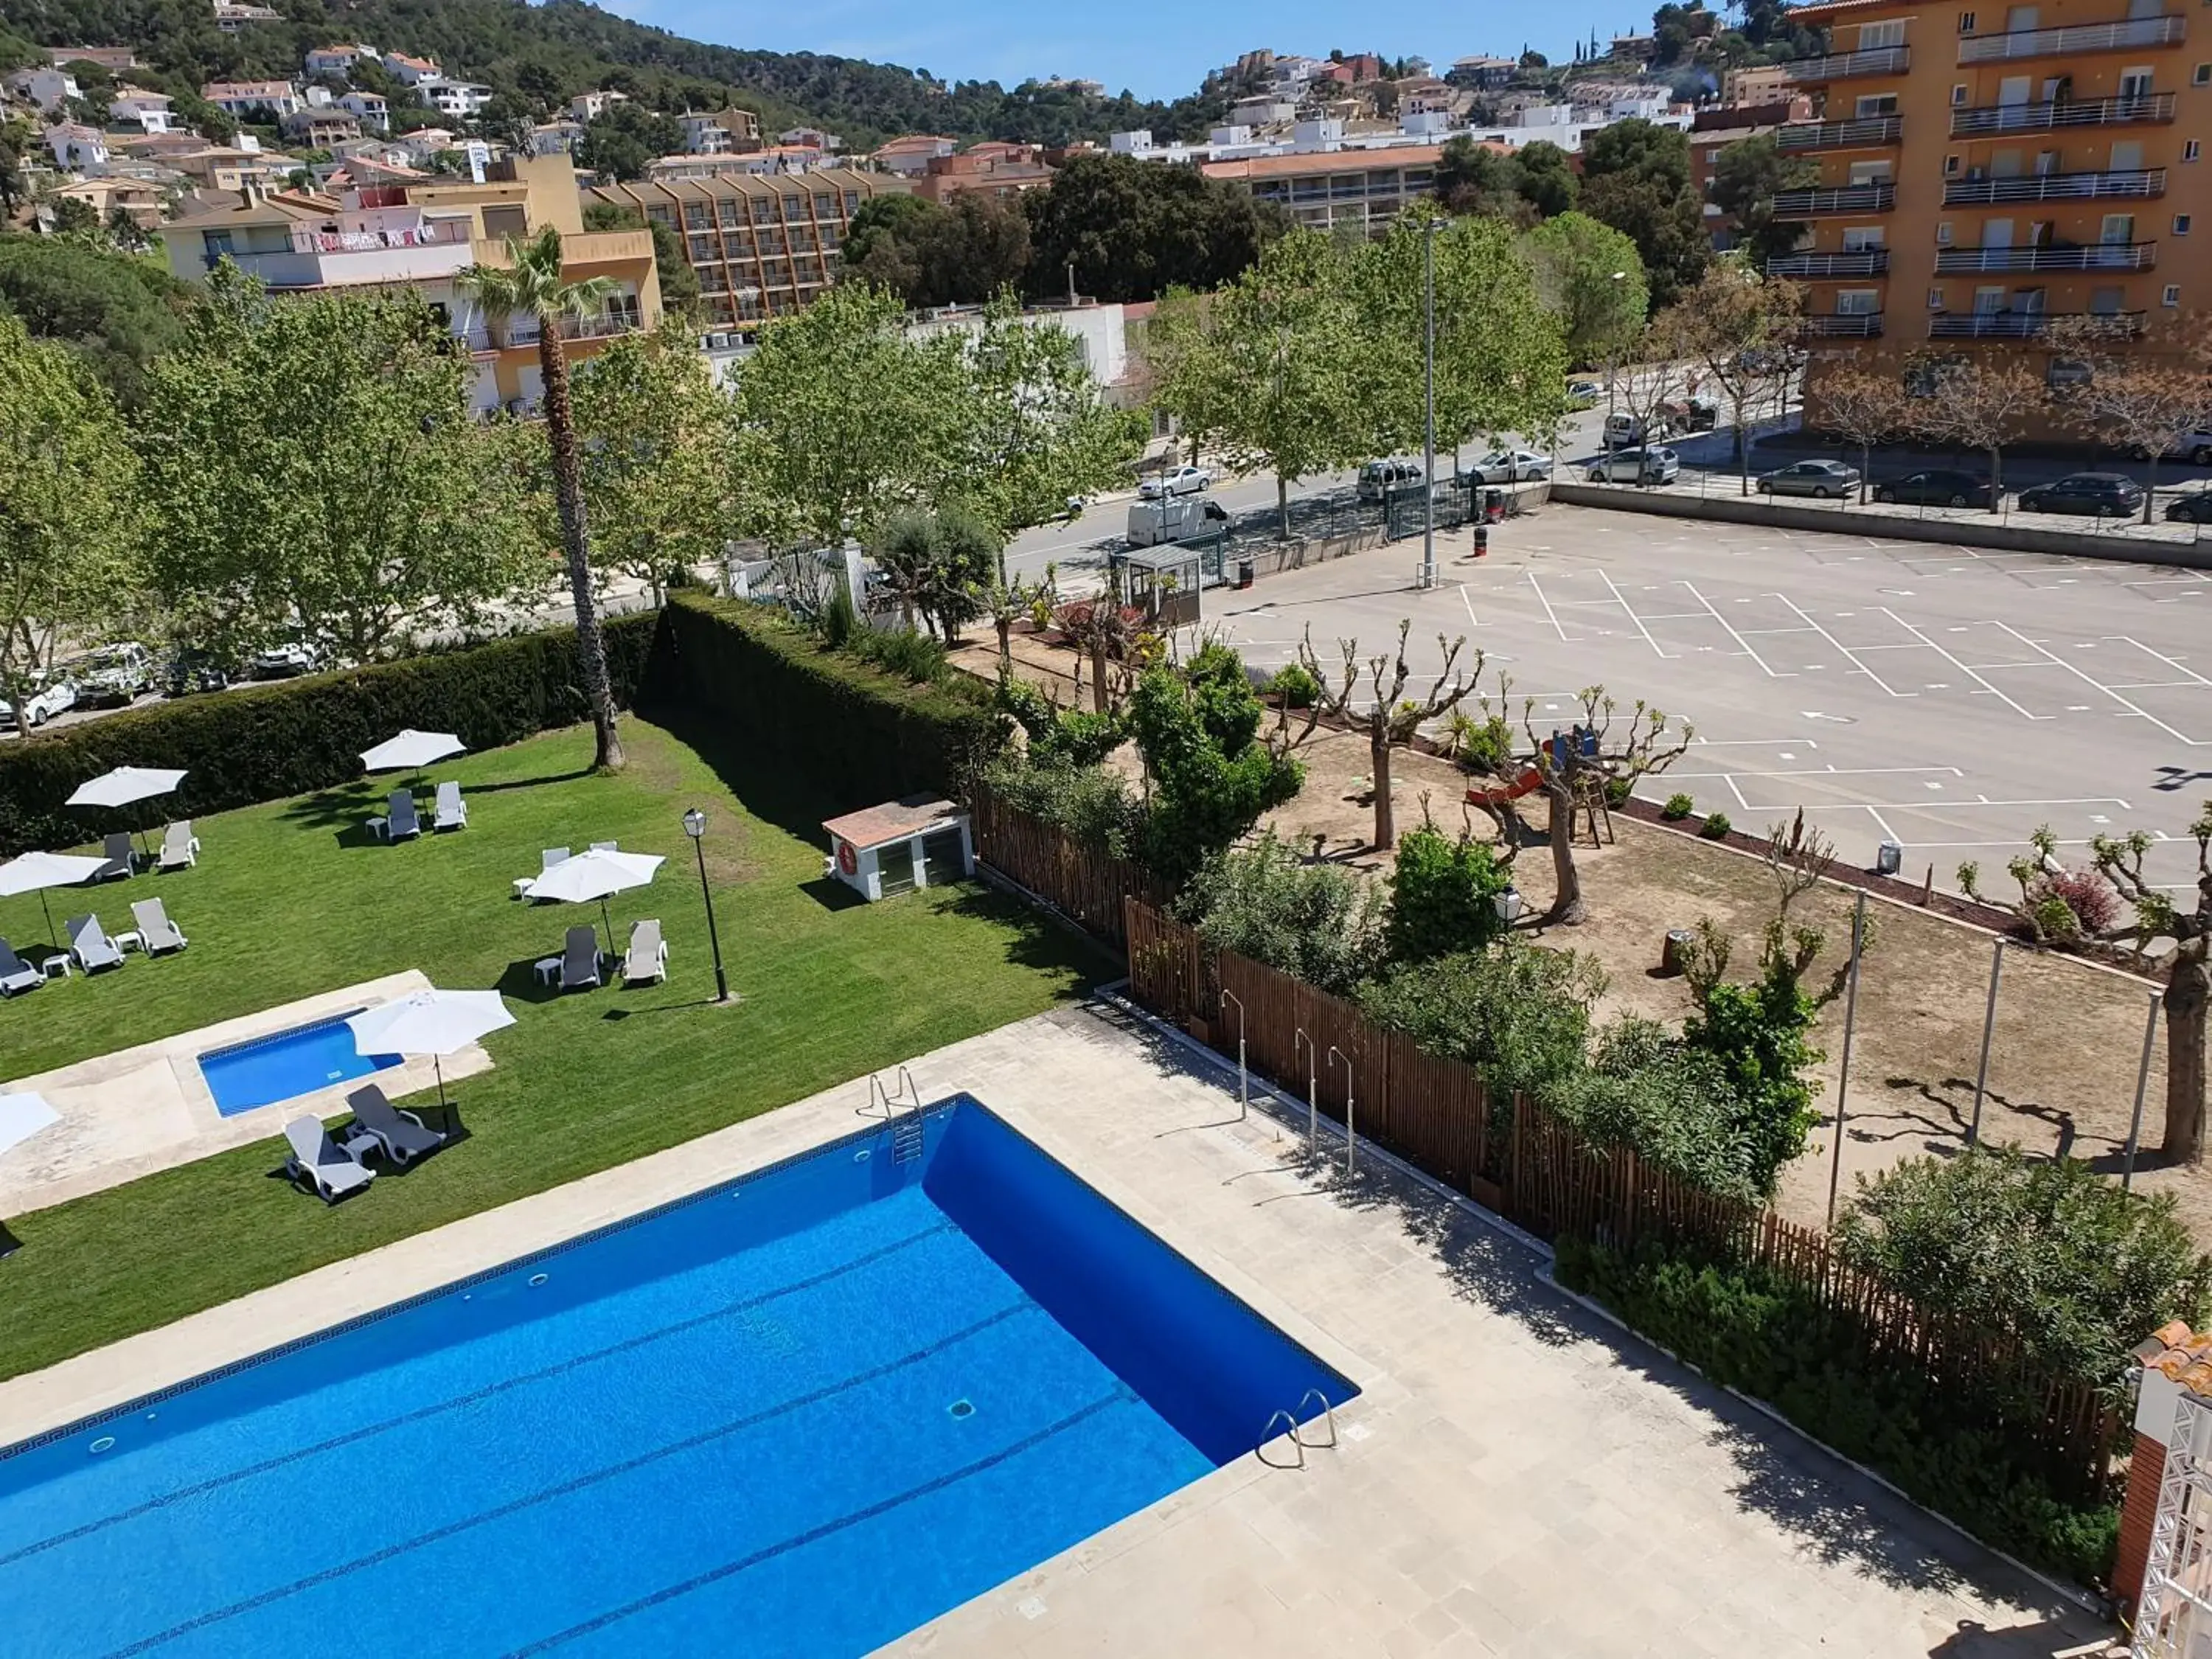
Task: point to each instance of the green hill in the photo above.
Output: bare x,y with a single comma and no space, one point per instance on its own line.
540,55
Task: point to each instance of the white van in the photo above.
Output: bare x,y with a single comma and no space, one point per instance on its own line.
1174,518
1378,478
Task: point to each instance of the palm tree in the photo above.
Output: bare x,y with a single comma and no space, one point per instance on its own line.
530,285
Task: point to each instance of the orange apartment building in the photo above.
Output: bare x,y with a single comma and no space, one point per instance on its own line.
1985,168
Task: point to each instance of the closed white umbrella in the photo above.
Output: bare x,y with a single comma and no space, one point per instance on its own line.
22,1116
412,751
34,872
125,784
433,1023
596,875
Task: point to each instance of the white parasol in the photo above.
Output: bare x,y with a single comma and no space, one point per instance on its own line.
433,1023
596,875
34,872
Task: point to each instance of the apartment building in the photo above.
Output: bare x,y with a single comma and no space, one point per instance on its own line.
1985,169
722,132
995,169
762,245
244,99
1364,188
422,235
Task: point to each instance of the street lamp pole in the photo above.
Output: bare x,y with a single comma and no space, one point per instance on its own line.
695,825
1429,404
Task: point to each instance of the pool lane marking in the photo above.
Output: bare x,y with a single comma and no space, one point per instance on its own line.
828,1528
566,1488
213,1482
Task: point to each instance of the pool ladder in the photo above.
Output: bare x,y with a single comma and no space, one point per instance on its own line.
906,1137
1298,1435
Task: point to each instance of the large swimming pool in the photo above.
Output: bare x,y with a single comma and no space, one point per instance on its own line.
800,1414
286,1064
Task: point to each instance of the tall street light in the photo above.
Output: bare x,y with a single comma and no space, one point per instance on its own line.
695,825
1429,402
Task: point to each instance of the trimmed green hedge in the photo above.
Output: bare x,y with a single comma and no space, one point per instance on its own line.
860,734
264,742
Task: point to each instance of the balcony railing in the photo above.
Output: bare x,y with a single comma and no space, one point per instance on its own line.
1801,267
2052,187
1855,325
1844,65
2075,38
437,234
2018,325
524,330
2065,112
2100,256
1867,132
1851,198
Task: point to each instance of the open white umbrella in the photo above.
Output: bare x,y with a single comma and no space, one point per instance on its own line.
125,784
412,751
433,1023
22,1116
34,872
595,875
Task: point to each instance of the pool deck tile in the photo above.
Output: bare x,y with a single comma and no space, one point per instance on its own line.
1517,1478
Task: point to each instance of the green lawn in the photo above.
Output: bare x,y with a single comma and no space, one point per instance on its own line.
292,898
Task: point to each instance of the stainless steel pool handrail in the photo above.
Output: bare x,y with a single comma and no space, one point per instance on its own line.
1268,1433
1327,1411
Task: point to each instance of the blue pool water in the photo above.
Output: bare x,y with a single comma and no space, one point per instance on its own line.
798,1415
293,1062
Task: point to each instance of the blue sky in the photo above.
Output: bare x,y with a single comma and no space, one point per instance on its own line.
1156,48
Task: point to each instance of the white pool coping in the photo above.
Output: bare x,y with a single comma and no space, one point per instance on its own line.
136,1110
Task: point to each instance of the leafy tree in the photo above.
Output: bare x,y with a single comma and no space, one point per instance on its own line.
881,243
116,313
1545,177
939,565
2141,398
1865,407
961,253
1389,718
1739,327
2047,1251
1317,922
1980,402
651,431
70,505
1646,1090
1635,178
1057,736
842,418
1266,371
19,143
1132,229
1591,277
1212,773
530,285
1444,896
1473,178
625,137
1517,1013
314,465
1747,178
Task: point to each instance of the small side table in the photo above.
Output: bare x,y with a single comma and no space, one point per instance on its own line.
130,941
55,967
547,970
379,827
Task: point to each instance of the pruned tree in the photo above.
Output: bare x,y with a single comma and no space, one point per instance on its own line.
1864,407
1577,771
1739,327
2140,397
1387,716
1984,402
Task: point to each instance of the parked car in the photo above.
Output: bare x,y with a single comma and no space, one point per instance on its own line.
1638,466
1508,466
1696,413
2195,447
1175,481
284,659
1583,394
2088,494
1624,430
1154,522
1819,479
2194,507
191,670
112,676
49,694
1378,478
1937,487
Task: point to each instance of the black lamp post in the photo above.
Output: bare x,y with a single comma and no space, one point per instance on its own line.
695,825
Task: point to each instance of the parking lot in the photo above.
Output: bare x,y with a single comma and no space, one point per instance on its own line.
1946,698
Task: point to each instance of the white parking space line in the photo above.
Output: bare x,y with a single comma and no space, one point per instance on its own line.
1770,672
1845,649
1961,666
1632,616
2132,708
2169,661
1469,603
1548,611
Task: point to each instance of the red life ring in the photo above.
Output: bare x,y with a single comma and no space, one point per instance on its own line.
846,860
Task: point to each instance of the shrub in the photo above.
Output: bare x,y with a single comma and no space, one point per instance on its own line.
839,621
1668,1102
855,732
1212,779
2043,1250
906,652
1617,790
1755,1036
1442,896
1295,685
1716,825
1969,1455
1093,806
1059,737
264,742
2088,898
1518,1013
1678,807
1314,921
1484,747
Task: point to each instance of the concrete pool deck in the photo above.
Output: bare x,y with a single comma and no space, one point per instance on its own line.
130,1113
1517,1476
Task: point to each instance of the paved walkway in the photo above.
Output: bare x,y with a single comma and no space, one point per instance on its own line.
1516,1476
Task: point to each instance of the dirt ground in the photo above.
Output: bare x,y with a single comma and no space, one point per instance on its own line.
2068,1037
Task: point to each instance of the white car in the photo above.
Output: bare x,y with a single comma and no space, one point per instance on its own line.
1177,481
1638,466
47,698
287,658
1510,466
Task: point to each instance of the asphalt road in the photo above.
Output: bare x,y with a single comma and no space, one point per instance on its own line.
1946,698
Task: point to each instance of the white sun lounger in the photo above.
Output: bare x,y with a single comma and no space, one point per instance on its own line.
402,1135
453,812
400,819
157,932
318,1160
16,974
90,945
580,960
121,860
180,847
648,954
547,860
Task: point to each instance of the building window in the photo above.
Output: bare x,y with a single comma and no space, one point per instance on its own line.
1965,22
1950,166
1934,298
1943,233
1959,96
2181,224
1873,37
2201,76
2190,151
2172,295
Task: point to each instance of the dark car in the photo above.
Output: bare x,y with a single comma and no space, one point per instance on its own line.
1937,488
2089,495
2195,508
193,670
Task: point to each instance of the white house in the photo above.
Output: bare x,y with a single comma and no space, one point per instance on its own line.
371,109
412,71
337,60
76,149
48,87
148,111
424,143
242,98
454,98
555,137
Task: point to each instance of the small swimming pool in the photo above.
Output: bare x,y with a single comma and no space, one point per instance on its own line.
799,1415
278,1066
